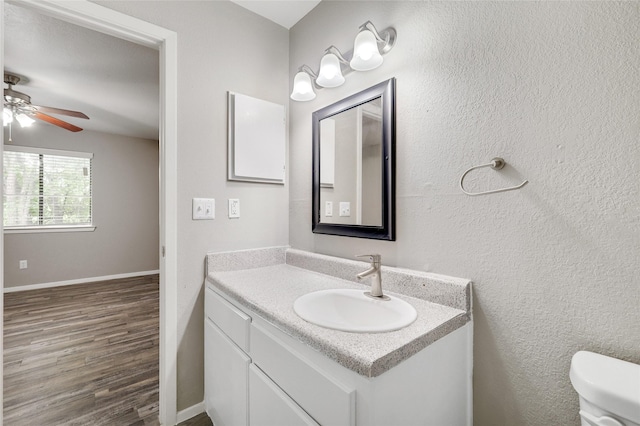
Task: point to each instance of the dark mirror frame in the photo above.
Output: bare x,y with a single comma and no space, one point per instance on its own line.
386,91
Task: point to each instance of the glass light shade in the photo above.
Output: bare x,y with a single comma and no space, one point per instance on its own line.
25,120
330,74
302,88
366,55
7,116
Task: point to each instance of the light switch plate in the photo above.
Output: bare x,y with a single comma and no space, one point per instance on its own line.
345,208
234,208
203,209
328,209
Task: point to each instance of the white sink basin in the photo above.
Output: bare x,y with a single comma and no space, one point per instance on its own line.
351,310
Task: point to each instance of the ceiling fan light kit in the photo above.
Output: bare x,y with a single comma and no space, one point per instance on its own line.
18,107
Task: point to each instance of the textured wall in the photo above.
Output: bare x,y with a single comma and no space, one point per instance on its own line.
125,212
221,47
554,88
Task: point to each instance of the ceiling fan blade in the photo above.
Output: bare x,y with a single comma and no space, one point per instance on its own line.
56,122
51,110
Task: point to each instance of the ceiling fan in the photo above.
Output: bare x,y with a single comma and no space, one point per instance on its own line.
18,105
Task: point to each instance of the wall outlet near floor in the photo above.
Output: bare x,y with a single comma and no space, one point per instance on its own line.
345,208
203,209
234,208
23,264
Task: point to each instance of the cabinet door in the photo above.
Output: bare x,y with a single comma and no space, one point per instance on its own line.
326,399
226,379
270,406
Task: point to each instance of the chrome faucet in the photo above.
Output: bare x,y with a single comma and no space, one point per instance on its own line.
376,285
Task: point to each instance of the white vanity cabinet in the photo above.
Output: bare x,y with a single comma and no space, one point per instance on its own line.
258,374
226,336
237,390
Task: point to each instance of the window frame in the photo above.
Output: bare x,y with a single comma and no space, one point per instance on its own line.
31,229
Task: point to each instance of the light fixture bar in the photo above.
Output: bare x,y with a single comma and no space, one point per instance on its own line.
369,46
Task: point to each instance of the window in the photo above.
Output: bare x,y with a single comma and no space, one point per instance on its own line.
46,188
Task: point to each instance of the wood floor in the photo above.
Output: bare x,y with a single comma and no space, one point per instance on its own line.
82,354
199,420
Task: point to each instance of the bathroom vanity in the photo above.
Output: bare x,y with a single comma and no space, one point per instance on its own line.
264,365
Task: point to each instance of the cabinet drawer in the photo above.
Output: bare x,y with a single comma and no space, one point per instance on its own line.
233,322
270,406
328,401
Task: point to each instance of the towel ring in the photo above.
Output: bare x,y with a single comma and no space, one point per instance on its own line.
496,164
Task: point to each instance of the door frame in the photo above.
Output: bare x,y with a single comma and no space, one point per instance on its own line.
108,21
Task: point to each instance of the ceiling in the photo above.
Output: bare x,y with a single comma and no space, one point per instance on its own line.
113,81
284,12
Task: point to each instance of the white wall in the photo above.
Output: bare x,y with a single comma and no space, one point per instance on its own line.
554,88
221,47
125,212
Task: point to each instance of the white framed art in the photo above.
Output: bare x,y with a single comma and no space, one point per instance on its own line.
257,140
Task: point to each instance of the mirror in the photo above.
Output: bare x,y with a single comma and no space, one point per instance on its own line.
353,165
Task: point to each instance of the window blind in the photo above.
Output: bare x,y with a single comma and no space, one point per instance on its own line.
46,188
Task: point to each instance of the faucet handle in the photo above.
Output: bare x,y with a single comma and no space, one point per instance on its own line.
375,259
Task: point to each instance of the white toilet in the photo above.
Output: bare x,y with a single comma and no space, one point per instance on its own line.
609,390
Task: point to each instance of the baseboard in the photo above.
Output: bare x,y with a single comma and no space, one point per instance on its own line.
190,412
79,281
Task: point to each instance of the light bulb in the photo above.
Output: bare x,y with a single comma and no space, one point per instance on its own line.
366,55
25,120
330,74
302,87
7,116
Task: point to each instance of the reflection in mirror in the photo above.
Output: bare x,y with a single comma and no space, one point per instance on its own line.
353,165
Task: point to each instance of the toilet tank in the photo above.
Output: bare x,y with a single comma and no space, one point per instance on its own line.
609,389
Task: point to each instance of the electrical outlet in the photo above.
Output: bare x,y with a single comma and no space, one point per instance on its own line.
328,209
203,209
23,264
345,208
234,208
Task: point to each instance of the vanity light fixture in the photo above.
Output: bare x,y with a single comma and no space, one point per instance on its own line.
366,53
302,85
330,74
368,48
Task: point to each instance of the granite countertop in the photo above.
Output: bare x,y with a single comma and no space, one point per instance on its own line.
271,290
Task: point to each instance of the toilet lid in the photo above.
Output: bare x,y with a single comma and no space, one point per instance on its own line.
609,383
